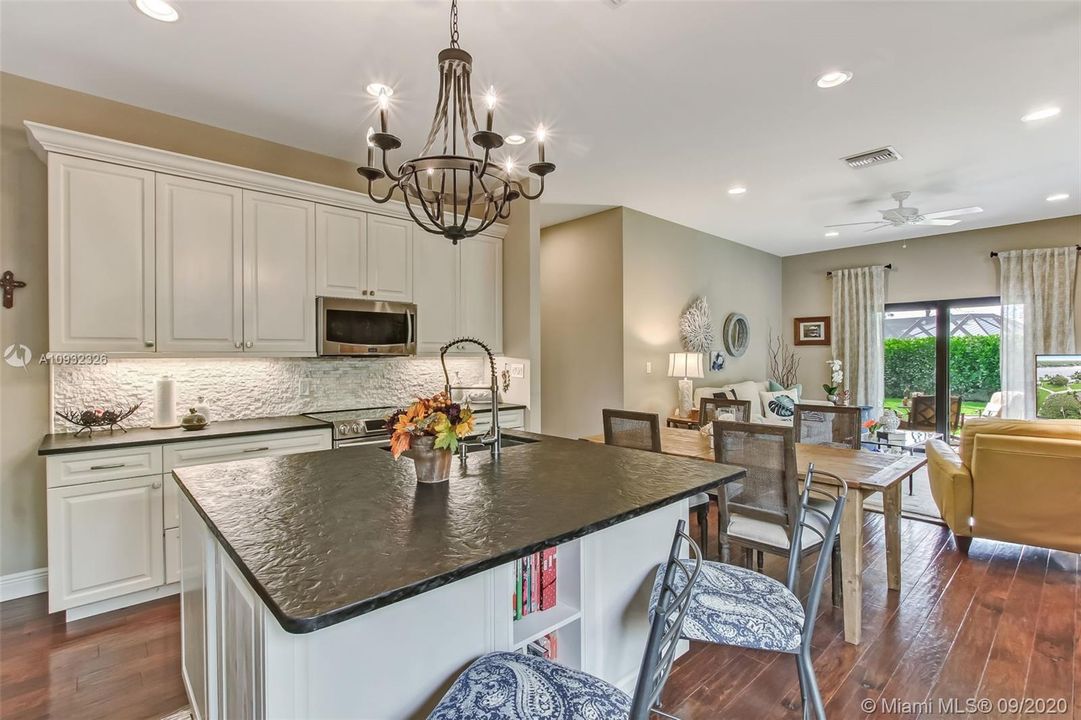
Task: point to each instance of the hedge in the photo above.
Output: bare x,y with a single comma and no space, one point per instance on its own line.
974,366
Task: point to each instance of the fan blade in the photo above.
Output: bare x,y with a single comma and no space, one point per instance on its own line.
872,222
951,213
884,225
936,222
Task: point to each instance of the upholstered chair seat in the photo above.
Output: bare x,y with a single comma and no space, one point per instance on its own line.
736,606
513,686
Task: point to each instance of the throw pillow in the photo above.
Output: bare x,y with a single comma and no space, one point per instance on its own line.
779,406
749,390
777,387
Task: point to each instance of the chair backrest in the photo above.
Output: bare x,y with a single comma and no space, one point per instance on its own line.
828,425
770,491
833,522
710,407
667,626
630,429
921,414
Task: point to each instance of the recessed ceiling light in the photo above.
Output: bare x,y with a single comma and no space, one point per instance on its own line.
833,78
1041,114
377,89
158,10
737,190
832,233
515,139
1058,196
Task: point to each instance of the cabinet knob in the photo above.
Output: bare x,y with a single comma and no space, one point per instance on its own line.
249,344
238,344
155,485
363,292
148,343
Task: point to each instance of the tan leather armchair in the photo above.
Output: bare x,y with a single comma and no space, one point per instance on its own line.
1013,480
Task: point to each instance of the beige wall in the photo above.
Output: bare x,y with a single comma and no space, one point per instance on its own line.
665,267
581,322
613,287
522,299
954,265
24,395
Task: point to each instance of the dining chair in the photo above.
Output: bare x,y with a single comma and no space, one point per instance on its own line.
642,431
923,416
710,407
738,607
828,425
516,686
762,513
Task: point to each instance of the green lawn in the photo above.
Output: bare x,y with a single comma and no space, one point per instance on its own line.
968,409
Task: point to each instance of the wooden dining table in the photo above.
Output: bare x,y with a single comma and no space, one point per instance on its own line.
865,473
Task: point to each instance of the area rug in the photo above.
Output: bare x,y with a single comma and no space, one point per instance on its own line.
919,505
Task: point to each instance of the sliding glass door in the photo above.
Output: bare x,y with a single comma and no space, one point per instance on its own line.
942,362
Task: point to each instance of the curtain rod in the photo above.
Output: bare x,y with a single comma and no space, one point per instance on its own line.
888,266
995,254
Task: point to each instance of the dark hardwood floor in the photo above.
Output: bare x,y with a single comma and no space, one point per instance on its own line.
1003,622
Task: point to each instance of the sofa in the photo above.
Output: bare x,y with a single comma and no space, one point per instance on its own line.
749,390
1012,480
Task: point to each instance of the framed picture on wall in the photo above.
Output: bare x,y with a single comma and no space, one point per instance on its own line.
811,331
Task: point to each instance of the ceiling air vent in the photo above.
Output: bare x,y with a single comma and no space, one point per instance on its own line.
872,157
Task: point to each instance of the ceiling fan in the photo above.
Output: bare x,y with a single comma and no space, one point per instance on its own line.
903,215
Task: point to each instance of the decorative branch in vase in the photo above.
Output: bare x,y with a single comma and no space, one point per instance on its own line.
783,362
834,393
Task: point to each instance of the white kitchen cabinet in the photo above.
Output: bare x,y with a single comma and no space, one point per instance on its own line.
481,290
101,256
436,269
240,647
105,539
206,452
200,306
390,258
197,617
172,555
279,275
341,252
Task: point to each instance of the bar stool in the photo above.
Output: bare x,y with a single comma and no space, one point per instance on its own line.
737,606
514,686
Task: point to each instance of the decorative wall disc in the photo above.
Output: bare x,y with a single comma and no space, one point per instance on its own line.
696,327
737,334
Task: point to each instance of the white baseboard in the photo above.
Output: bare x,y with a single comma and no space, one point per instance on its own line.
21,584
123,601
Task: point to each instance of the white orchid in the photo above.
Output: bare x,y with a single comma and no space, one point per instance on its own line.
837,376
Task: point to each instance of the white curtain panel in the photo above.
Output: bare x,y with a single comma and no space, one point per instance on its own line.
859,304
1037,288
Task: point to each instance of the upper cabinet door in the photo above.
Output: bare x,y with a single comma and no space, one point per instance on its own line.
482,290
200,272
101,256
435,270
279,275
340,252
390,258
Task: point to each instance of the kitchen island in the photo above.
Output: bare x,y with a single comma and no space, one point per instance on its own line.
332,585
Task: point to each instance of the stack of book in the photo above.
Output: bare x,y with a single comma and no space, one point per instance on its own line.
535,583
545,647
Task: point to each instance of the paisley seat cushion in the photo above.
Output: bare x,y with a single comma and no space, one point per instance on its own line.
512,686
732,605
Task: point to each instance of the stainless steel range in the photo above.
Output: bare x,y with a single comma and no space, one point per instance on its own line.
365,426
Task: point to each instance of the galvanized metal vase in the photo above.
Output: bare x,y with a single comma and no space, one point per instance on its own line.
432,465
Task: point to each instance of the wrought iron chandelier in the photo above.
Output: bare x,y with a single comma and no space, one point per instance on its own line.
450,189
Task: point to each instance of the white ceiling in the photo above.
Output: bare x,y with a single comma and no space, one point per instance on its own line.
660,106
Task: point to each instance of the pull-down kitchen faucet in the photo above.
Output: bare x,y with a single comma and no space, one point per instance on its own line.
493,438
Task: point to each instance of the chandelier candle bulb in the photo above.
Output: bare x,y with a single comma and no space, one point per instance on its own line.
371,147
490,99
384,102
540,143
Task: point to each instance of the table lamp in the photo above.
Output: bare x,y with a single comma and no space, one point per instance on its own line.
685,365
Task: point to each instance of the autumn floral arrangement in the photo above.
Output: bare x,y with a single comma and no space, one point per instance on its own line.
436,417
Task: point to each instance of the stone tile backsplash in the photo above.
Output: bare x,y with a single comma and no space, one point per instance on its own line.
257,387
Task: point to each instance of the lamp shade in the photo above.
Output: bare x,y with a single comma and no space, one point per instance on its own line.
685,364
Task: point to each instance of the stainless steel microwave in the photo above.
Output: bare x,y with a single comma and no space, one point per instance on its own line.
371,328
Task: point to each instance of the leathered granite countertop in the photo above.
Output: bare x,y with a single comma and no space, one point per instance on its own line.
104,440
325,536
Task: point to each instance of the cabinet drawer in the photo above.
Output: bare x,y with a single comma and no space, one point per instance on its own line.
170,502
203,452
508,420
98,465
172,555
